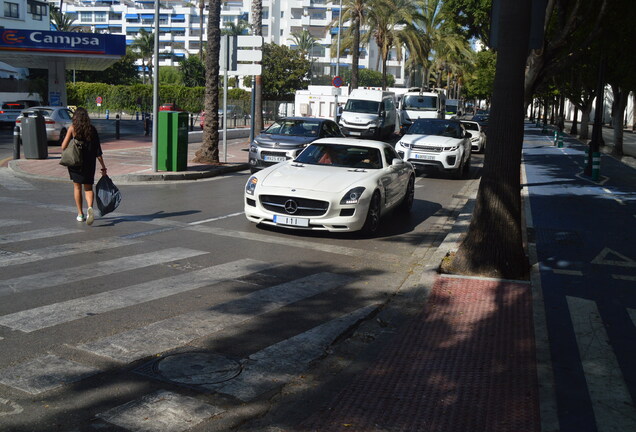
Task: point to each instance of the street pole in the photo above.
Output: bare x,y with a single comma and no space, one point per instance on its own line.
155,91
337,90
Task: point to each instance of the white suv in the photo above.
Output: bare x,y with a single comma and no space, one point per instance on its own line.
443,145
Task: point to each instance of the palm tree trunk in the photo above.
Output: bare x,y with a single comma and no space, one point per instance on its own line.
209,151
493,245
355,59
201,6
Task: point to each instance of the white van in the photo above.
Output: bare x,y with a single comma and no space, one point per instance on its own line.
416,103
369,113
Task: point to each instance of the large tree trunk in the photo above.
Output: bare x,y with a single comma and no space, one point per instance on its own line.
257,30
574,130
618,111
585,122
209,151
493,245
355,55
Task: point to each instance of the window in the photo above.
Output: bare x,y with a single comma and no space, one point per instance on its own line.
100,17
37,10
11,10
86,16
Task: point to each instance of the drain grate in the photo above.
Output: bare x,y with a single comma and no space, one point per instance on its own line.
192,368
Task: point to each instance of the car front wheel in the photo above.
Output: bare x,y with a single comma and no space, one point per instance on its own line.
372,222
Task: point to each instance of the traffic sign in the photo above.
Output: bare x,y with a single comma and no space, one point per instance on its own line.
98,100
336,81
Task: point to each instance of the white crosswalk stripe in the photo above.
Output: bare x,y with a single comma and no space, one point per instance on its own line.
57,251
174,332
11,182
36,234
74,274
53,314
12,222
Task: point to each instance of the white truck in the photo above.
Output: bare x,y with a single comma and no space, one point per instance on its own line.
453,108
369,113
417,103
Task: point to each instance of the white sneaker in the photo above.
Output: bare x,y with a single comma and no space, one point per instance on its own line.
80,218
91,217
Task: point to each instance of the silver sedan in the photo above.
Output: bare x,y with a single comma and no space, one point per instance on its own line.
56,119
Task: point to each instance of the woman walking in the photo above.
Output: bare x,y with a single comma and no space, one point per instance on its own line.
84,175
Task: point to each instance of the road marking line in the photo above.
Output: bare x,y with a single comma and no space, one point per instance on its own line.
341,250
568,272
278,364
611,402
624,277
216,218
45,373
57,251
12,222
13,183
624,261
15,408
160,411
173,332
53,314
35,281
36,234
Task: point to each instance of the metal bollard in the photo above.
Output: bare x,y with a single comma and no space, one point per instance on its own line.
560,140
117,126
136,115
191,122
146,125
556,138
596,166
16,142
107,114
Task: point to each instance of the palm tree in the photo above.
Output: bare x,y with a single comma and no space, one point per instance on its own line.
391,25
62,22
354,11
209,151
201,8
257,30
305,43
144,47
237,29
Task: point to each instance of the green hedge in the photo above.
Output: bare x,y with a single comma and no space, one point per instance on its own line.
138,97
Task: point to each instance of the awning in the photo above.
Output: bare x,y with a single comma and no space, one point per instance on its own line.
101,26
132,16
132,29
178,17
178,29
179,54
148,16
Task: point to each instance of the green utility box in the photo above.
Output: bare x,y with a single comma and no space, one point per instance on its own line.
172,141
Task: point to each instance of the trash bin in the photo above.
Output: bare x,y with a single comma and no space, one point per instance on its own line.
33,133
172,141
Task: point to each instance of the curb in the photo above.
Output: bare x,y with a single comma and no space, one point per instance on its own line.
183,175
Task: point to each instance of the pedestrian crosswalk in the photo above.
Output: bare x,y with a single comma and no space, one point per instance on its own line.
43,372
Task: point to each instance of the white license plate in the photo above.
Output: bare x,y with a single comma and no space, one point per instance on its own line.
424,156
294,221
274,158
355,133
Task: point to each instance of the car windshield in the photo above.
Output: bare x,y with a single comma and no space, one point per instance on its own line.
450,129
471,126
294,128
362,106
419,103
347,156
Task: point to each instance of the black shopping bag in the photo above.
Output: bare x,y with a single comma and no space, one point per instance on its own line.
108,195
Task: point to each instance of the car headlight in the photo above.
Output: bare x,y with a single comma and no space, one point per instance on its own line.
250,186
353,196
453,148
404,144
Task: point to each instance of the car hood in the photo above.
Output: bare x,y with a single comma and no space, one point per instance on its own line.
272,140
430,140
311,177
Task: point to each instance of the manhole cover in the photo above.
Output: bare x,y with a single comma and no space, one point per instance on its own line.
197,368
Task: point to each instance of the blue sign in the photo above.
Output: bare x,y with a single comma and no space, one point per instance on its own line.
62,42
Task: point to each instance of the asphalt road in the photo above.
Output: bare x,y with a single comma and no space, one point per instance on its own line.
97,321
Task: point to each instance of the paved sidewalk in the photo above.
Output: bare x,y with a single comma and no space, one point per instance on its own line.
130,160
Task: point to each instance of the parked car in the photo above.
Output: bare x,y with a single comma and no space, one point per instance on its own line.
286,137
56,119
478,139
335,184
482,119
438,144
9,112
169,107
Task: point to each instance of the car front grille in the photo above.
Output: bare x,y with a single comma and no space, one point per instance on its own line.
432,149
273,153
293,205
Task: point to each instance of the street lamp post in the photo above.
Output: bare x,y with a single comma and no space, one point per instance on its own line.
155,91
337,90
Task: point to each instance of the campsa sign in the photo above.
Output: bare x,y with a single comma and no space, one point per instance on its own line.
66,42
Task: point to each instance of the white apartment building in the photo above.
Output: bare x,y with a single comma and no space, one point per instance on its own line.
180,27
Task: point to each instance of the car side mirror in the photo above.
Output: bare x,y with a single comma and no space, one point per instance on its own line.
468,135
396,163
382,114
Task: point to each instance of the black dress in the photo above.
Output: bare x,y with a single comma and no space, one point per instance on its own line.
91,150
